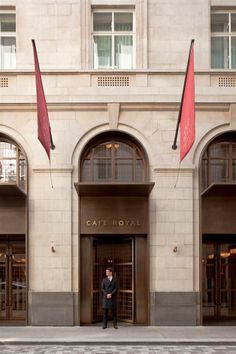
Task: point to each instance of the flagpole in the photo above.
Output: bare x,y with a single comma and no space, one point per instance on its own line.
174,146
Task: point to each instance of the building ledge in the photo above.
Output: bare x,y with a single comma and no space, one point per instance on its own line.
220,189
11,189
114,189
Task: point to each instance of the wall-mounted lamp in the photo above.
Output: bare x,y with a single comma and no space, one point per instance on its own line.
175,247
53,247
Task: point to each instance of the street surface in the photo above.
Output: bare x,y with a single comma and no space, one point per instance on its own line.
120,349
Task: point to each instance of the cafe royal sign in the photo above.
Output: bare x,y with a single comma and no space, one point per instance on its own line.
119,215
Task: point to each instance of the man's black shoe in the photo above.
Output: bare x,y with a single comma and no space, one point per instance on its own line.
104,327
115,326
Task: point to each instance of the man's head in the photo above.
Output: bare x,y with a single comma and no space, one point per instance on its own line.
108,272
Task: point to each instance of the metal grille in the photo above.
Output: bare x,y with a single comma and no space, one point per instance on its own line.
113,81
3,81
117,254
227,81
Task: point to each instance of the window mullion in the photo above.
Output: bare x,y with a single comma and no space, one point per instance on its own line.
230,59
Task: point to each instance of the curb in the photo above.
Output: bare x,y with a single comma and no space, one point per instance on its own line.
126,343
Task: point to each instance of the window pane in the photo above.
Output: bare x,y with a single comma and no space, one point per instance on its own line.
233,52
123,21
86,171
102,52
123,170
102,170
233,22
204,174
103,150
220,52
7,22
7,170
220,150
22,172
139,171
219,171
123,150
220,23
102,21
124,52
8,53
7,150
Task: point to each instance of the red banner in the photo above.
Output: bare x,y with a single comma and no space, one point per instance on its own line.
43,120
187,118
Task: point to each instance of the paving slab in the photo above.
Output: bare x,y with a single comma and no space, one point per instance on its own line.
124,335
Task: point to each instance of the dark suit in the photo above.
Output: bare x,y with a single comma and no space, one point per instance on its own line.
109,287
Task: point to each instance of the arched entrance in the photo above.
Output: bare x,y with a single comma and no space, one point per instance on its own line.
113,188
13,231
218,202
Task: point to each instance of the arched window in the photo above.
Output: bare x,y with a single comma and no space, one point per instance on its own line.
219,161
113,160
12,164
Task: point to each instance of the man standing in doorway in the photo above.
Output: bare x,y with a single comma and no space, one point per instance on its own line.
109,289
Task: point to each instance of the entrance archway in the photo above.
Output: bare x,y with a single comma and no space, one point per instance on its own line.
13,233
113,188
218,202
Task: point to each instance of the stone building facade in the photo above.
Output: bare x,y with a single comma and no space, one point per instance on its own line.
113,73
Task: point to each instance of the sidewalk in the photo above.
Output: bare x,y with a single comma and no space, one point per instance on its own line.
124,335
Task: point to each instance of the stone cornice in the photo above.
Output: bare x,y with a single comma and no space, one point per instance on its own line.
115,72
129,106
52,170
174,169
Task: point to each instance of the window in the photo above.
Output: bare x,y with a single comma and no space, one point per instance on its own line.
223,40
113,39
219,162
12,164
113,160
7,40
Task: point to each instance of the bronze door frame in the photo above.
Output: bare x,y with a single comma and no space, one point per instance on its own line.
15,291
140,277
220,279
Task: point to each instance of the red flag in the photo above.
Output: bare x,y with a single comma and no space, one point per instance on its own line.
44,133
187,109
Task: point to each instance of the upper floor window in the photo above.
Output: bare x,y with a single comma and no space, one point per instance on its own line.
223,40
113,160
12,164
219,161
7,40
113,38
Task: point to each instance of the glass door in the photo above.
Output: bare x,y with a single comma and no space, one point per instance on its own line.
117,254
12,281
219,279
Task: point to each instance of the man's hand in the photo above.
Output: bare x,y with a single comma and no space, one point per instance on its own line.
109,296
